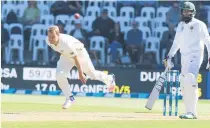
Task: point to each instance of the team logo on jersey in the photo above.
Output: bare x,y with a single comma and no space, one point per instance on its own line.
182,28
191,28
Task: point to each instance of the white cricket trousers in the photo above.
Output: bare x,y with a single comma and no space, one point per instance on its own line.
190,65
65,64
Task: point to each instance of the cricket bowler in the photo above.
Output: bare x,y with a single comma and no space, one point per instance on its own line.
191,35
73,53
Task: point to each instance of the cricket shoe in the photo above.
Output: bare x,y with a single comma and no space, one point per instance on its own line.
111,82
68,102
188,115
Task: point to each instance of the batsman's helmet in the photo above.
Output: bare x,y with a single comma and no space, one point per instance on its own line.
190,7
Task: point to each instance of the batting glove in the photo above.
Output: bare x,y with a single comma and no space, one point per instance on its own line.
168,62
208,65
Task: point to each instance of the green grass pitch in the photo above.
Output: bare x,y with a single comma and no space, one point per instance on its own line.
35,111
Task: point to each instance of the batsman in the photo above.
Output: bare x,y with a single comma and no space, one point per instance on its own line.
191,35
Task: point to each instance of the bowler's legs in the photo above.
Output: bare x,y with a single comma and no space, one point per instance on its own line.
64,66
89,68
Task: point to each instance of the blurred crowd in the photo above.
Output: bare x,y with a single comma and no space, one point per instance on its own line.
124,44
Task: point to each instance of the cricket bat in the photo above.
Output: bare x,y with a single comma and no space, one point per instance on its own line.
154,95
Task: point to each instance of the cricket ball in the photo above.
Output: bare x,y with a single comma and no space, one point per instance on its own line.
76,15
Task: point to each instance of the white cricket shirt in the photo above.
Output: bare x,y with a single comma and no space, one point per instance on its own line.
67,45
190,38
